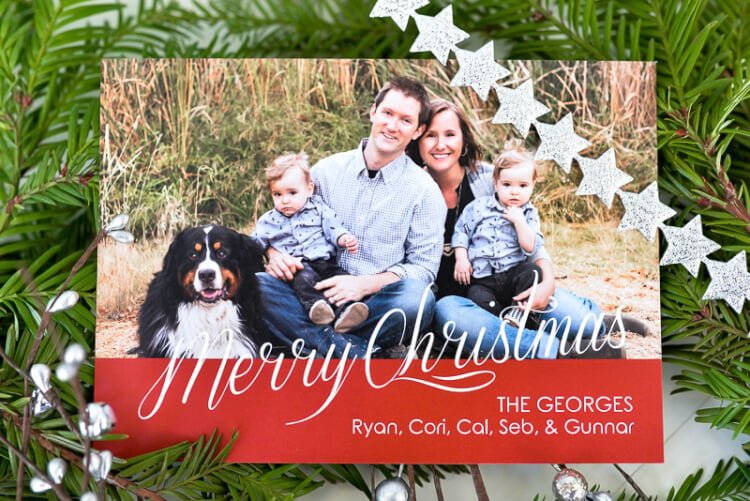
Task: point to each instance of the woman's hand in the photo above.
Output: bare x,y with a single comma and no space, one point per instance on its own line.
462,273
541,297
544,289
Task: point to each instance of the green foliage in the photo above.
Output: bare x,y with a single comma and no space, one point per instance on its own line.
50,73
193,471
49,119
728,481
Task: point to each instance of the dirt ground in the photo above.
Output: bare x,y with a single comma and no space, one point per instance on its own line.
642,303
116,332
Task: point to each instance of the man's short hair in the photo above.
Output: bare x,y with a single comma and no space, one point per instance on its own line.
410,88
282,164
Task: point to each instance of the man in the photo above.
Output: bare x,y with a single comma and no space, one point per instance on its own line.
396,212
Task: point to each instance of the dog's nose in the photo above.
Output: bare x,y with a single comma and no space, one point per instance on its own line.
206,275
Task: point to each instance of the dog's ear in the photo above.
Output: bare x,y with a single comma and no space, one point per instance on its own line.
169,265
254,253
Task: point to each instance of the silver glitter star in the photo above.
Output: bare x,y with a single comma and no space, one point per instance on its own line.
643,211
687,245
399,10
559,142
437,34
478,69
601,177
518,107
730,281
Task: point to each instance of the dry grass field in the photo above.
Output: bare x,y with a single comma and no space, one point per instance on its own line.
185,141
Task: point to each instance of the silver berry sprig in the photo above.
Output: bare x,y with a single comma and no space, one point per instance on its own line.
95,419
571,485
393,489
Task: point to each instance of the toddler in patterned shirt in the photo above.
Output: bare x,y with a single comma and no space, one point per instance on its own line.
496,234
304,227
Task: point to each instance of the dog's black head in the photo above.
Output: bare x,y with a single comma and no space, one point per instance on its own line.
212,262
205,267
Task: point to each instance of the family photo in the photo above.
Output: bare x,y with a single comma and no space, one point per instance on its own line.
370,209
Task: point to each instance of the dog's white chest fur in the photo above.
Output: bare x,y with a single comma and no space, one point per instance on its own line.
217,328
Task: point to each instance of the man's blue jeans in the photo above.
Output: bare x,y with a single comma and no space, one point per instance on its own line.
457,316
401,306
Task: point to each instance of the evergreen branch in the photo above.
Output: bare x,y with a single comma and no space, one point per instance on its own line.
13,365
729,202
728,481
20,199
308,28
724,380
665,29
569,34
57,488
202,468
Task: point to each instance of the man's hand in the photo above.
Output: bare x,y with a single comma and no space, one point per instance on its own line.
349,242
343,288
282,266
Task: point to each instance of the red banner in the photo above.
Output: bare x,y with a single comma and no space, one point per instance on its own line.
391,411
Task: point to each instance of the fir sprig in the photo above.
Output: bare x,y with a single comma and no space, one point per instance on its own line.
49,78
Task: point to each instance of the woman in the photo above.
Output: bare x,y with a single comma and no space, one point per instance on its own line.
451,155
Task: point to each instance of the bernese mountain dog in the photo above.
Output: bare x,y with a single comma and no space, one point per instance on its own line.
205,300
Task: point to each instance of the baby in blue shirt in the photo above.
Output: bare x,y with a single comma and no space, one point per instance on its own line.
304,227
496,234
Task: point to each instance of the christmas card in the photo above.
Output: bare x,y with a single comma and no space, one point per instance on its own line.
467,272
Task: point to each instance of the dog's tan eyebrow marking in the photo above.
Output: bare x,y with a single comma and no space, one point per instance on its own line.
217,245
198,247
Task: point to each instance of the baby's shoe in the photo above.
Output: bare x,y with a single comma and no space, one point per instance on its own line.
352,316
513,315
321,313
